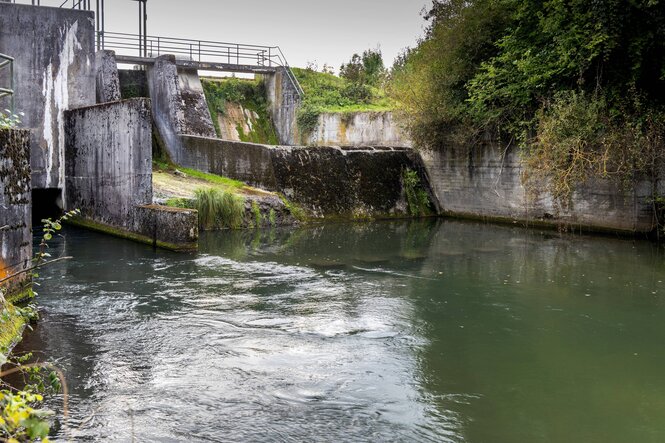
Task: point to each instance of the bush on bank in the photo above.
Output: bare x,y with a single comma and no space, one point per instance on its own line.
578,85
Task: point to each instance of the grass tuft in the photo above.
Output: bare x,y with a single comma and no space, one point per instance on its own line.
218,209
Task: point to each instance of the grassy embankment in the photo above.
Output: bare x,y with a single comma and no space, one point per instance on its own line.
221,201
328,93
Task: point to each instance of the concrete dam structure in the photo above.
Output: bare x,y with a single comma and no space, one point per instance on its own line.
96,157
92,150
82,145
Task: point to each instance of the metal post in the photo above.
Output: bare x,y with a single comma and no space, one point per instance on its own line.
145,27
11,86
99,43
103,26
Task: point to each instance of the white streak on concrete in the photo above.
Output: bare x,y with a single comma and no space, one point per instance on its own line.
55,87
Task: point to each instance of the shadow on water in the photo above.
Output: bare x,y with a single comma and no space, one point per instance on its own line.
401,331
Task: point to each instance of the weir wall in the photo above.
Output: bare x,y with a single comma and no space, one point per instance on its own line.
348,182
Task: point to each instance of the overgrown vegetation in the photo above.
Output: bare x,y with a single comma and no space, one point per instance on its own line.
10,120
417,198
22,417
248,93
578,85
359,91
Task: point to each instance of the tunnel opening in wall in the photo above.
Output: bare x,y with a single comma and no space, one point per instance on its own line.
46,203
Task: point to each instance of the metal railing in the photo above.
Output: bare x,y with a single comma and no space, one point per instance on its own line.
252,57
7,62
201,51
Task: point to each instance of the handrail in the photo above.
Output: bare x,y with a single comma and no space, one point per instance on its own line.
200,51
5,61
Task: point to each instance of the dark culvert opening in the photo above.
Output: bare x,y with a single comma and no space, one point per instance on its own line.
46,203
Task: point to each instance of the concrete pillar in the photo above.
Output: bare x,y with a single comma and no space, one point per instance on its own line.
284,103
108,82
178,105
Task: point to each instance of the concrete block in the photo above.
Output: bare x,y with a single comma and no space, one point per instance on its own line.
169,228
358,129
284,103
109,160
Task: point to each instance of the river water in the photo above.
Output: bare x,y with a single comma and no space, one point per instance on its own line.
387,331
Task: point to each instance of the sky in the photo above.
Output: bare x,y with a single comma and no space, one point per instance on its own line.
319,31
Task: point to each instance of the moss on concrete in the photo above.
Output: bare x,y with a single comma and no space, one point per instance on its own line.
11,328
22,295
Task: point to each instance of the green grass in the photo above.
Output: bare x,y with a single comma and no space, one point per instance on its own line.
299,213
208,177
219,209
329,93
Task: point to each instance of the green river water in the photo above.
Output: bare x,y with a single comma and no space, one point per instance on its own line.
389,331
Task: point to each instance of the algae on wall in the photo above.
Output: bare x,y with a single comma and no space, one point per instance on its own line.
239,110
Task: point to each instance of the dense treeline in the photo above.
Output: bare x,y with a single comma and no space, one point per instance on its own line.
578,84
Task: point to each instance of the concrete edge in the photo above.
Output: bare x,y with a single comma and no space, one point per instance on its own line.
128,235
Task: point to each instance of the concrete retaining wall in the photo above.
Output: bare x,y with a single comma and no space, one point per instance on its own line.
109,175
284,102
15,209
54,50
329,181
358,129
484,182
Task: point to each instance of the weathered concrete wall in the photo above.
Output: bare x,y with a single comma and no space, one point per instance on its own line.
133,83
247,162
170,228
15,208
284,102
54,50
178,104
329,181
483,182
358,129
108,82
109,160
109,175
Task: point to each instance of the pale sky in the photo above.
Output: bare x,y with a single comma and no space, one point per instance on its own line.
322,31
